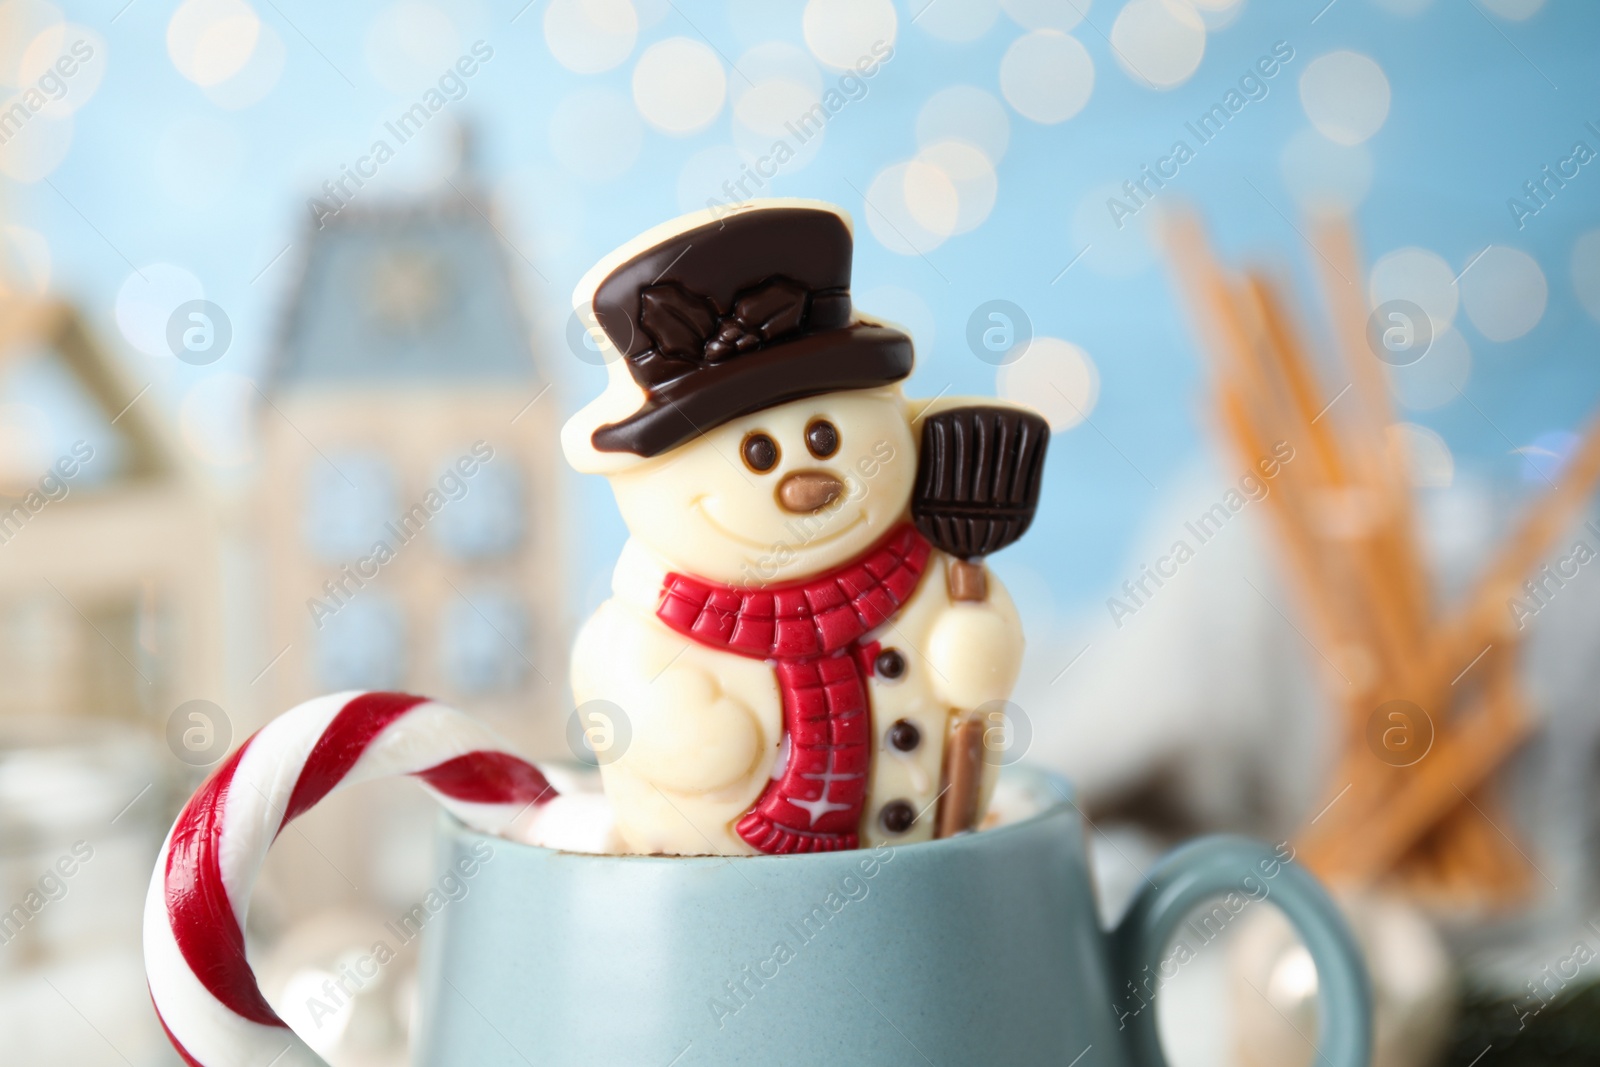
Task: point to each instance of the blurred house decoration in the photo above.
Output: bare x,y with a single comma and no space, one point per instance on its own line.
1430,701
409,480
109,596
110,618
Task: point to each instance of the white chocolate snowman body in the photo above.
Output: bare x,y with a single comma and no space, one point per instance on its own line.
705,726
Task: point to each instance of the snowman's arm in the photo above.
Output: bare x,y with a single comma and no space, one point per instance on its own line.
975,648
686,733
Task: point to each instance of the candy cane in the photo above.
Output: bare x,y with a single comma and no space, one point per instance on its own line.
204,991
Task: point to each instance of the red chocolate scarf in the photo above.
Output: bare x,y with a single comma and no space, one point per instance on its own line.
811,631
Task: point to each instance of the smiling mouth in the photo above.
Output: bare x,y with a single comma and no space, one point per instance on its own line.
769,546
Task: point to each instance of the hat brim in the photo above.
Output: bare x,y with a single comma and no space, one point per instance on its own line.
861,355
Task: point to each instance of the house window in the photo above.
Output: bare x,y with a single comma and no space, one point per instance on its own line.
362,644
486,520
484,640
349,497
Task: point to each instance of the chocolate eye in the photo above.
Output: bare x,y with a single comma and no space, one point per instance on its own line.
822,439
760,452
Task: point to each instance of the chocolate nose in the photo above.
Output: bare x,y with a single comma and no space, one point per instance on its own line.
808,491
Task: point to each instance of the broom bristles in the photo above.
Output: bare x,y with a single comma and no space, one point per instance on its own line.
978,478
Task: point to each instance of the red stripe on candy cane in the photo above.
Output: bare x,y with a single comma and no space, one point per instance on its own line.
489,778
203,919
341,744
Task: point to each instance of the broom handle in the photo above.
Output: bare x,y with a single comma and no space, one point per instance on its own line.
963,773
968,581
963,756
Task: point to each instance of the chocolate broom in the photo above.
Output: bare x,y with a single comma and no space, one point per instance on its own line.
977,489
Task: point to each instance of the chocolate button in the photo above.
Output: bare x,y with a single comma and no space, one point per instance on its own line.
897,816
904,735
890,664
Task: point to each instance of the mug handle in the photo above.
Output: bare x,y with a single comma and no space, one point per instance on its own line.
1214,866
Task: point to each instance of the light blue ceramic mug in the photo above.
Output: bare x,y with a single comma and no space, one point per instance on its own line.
978,949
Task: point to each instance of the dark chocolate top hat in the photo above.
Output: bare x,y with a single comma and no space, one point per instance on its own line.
734,316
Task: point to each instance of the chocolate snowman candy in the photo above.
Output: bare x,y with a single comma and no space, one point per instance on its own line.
792,653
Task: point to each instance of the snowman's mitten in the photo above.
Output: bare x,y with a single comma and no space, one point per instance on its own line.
975,649
691,737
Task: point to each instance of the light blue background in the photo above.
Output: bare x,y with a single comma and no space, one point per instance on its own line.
1474,115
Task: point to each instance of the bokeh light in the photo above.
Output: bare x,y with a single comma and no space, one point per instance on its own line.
590,36
1159,42
1218,14
1504,293
1586,271
1055,378
679,85
1546,457
966,113
85,52
911,207
258,78
775,61
1345,95
778,120
972,176
22,22
781,105
1047,76
1428,457
147,300
1420,276
210,41
842,33
37,149
651,12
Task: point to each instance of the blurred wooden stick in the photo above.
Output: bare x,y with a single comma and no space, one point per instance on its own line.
1361,578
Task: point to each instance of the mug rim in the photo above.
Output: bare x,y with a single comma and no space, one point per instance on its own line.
1043,778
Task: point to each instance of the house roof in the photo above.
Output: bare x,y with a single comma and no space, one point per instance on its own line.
399,295
57,328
